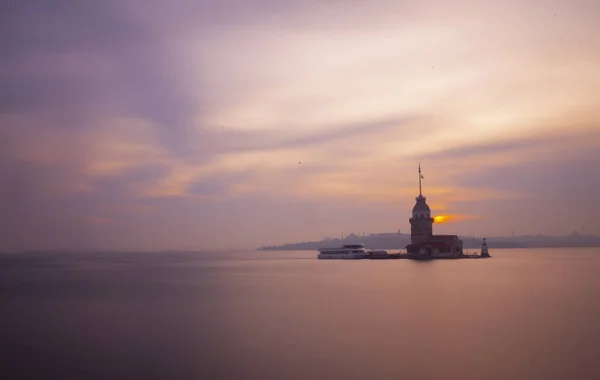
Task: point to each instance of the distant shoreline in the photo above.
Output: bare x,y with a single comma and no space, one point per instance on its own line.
399,241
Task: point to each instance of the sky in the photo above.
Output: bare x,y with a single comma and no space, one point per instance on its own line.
153,125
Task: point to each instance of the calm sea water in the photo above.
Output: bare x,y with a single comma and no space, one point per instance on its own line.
524,314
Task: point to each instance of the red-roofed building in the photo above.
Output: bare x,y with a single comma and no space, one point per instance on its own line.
423,243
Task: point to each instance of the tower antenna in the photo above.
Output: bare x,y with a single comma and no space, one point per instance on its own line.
420,177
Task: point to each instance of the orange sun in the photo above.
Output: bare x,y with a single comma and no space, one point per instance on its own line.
441,218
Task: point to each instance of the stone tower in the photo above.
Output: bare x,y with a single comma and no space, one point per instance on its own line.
421,223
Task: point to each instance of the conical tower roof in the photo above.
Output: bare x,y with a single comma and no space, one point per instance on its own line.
421,204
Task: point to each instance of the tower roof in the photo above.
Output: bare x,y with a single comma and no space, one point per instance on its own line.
421,205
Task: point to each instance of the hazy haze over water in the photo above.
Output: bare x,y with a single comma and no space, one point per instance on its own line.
524,314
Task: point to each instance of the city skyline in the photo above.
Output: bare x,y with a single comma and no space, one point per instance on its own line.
215,125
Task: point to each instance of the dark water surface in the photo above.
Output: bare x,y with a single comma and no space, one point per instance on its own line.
524,314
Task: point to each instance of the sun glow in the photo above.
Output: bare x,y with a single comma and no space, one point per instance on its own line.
441,218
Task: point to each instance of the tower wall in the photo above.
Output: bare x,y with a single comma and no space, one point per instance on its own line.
421,229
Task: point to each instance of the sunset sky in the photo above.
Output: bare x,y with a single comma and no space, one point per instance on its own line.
150,125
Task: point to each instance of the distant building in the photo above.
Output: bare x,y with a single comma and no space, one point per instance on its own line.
423,243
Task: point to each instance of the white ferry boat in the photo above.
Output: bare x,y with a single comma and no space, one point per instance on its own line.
347,252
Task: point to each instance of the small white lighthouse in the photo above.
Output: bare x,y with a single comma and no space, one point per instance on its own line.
484,249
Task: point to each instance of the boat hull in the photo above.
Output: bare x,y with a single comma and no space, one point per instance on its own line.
341,256
384,257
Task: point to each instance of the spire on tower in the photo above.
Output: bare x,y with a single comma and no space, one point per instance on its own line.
420,177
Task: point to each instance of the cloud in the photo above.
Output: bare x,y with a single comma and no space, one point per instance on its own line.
568,139
97,220
559,196
218,184
70,64
261,141
131,182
